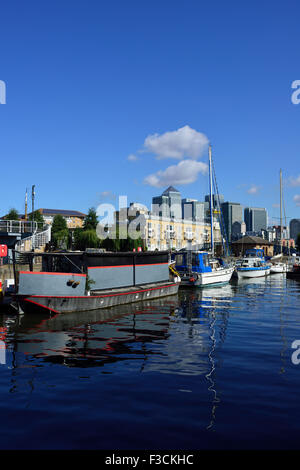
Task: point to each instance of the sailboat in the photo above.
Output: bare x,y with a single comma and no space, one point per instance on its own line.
279,266
202,268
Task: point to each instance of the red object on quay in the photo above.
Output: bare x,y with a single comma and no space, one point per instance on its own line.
3,251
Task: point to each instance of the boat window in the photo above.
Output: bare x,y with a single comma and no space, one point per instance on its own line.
205,260
179,260
195,259
62,264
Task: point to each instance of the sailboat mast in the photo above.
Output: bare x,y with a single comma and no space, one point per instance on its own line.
280,211
26,205
211,200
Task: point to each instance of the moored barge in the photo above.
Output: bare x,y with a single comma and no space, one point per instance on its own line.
81,281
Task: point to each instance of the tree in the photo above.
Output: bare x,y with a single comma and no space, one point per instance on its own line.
59,223
86,239
60,239
91,220
12,215
119,240
37,217
59,232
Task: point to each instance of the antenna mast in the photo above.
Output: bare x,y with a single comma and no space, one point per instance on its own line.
280,211
26,205
211,200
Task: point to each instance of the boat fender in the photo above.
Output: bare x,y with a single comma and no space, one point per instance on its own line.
194,278
73,283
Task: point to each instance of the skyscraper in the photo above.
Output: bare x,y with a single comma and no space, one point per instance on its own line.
215,205
168,204
255,219
294,228
232,212
192,210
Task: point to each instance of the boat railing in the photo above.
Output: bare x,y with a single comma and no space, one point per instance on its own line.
21,226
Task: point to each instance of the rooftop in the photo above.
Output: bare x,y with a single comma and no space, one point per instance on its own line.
170,189
250,240
62,212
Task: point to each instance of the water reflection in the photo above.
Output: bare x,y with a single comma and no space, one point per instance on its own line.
90,338
182,336
228,347
207,309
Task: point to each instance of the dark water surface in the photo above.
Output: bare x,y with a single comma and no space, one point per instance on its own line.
208,369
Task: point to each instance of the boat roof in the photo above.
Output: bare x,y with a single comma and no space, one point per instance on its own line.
247,239
93,253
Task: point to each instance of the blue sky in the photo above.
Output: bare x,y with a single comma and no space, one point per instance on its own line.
88,82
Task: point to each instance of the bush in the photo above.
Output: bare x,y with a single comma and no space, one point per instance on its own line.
60,239
12,215
86,239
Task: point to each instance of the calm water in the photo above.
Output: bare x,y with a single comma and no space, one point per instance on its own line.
208,369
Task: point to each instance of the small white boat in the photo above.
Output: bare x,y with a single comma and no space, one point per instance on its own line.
200,269
253,268
253,265
278,268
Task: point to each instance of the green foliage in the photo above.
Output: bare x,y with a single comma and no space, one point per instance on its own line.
76,237
60,238
59,223
37,217
119,243
59,232
12,215
86,239
88,283
91,220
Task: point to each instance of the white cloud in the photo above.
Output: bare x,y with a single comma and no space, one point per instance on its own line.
185,172
253,189
294,181
184,142
132,158
297,199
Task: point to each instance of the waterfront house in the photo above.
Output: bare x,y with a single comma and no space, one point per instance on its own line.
248,242
73,218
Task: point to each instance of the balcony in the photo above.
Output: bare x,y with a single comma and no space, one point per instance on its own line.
170,234
189,235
